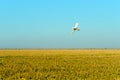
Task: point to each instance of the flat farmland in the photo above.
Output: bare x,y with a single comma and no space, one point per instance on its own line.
91,64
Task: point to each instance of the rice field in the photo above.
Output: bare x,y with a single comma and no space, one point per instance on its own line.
60,64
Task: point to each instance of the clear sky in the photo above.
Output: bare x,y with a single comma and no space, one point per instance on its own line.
48,23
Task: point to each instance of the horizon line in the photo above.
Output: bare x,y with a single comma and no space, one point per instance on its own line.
58,48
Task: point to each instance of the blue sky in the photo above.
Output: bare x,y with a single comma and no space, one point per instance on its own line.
48,23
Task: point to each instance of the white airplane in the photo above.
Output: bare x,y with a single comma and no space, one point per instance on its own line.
75,28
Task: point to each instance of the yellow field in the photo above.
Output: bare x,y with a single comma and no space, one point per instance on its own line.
59,64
